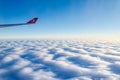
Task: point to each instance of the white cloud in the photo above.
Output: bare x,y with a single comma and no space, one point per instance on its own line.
26,70
59,60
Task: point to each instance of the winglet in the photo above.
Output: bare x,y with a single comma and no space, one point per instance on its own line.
32,21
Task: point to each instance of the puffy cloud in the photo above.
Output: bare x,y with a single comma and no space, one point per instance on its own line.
59,60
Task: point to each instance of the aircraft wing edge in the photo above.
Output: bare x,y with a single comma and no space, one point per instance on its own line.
33,21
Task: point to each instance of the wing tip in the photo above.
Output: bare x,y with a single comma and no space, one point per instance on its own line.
34,20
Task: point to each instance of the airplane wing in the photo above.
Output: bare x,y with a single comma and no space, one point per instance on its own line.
33,21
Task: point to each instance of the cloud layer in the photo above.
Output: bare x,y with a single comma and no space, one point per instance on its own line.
59,60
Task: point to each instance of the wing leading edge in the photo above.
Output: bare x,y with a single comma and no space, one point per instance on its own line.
33,21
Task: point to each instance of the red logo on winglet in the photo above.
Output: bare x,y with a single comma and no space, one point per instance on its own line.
32,21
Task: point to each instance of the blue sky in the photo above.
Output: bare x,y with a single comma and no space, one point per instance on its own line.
60,18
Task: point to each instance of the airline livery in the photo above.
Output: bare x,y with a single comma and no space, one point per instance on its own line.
33,21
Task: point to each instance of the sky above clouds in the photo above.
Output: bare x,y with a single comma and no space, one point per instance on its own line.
61,18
